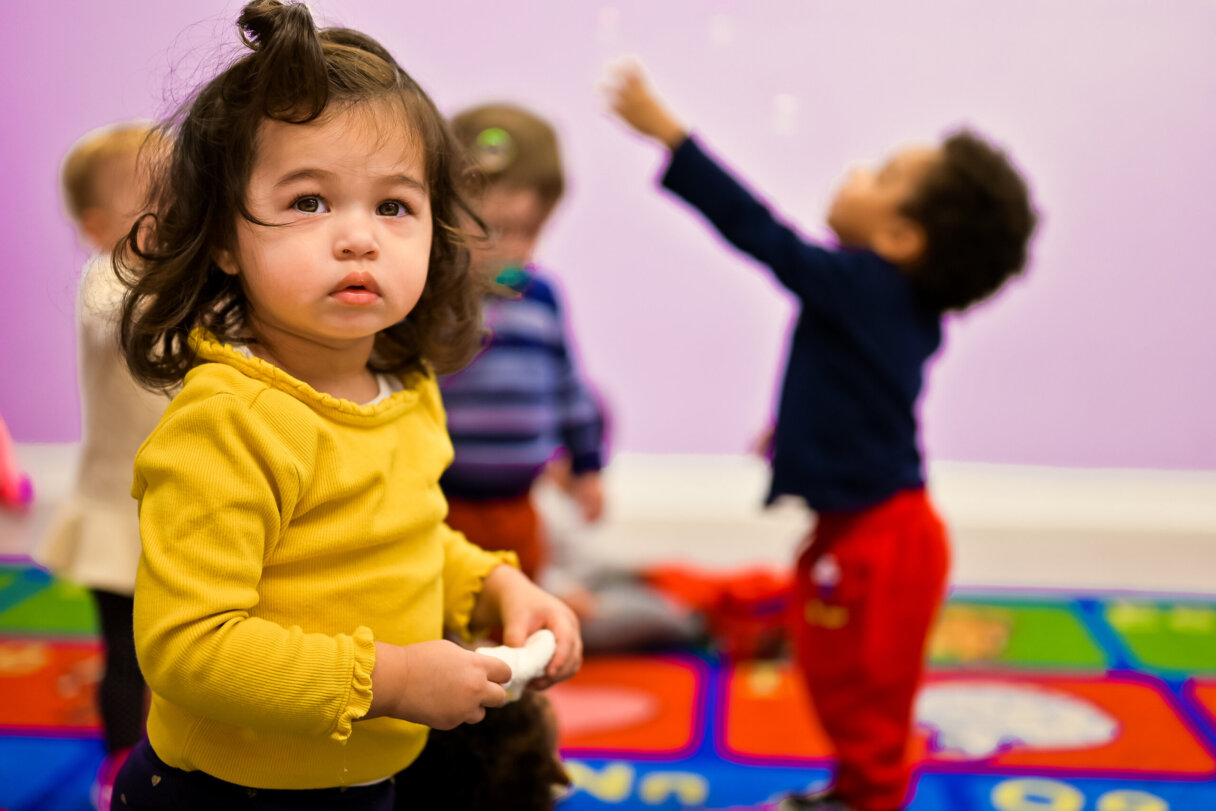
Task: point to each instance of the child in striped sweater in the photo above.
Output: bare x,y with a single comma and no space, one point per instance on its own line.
522,400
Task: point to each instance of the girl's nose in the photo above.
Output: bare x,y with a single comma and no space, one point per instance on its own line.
355,239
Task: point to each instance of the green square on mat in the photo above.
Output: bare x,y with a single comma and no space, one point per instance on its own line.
20,582
59,607
1013,633
1167,635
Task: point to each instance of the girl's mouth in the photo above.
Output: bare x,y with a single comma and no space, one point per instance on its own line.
356,288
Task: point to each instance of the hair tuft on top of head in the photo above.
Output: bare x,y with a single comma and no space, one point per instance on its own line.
261,19
288,63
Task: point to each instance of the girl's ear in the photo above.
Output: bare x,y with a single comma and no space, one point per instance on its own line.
224,258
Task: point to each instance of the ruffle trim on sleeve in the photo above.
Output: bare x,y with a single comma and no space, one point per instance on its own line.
359,701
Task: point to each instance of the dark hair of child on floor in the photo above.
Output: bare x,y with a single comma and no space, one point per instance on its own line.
509,761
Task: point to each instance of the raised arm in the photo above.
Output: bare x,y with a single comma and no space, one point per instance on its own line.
639,106
808,270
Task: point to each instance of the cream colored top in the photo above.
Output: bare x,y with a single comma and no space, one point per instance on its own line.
93,538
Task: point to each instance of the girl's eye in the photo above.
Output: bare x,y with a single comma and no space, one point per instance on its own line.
310,204
392,208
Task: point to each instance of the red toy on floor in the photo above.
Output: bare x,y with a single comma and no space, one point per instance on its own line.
746,611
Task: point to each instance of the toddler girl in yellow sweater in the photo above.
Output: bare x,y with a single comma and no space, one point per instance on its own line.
304,279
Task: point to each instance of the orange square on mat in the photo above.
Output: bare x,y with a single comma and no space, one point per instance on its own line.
1150,735
768,717
644,705
49,686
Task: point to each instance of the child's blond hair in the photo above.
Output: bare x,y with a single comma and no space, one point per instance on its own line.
94,150
514,147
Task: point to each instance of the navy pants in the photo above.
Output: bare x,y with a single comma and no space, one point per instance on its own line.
146,783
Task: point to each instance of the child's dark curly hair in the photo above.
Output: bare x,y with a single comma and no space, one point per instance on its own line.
977,216
507,761
293,72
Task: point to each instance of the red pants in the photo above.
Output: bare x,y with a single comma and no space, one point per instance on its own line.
866,592
502,524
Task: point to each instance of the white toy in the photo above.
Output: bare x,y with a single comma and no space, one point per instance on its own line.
526,663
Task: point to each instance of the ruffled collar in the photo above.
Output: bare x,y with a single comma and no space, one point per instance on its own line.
209,348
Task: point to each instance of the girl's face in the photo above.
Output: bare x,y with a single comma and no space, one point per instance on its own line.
348,253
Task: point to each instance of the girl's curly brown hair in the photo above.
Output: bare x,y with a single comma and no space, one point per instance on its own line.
293,73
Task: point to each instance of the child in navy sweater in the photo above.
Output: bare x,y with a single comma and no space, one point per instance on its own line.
933,229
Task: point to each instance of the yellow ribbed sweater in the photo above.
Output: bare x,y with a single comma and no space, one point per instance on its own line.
283,531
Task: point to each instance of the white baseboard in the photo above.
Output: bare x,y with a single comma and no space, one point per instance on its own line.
1015,497
1010,525
1011,497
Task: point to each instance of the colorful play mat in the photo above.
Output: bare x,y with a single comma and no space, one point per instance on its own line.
1037,701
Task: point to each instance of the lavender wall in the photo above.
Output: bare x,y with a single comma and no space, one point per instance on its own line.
1102,356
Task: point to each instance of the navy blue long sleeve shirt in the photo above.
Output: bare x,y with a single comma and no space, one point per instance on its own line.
847,434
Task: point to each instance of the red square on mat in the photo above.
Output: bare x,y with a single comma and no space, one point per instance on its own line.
642,705
49,686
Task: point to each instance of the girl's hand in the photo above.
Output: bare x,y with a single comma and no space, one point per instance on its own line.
509,598
639,107
437,683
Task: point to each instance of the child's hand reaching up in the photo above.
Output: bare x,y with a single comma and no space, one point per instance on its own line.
438,683
640,107
509,598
